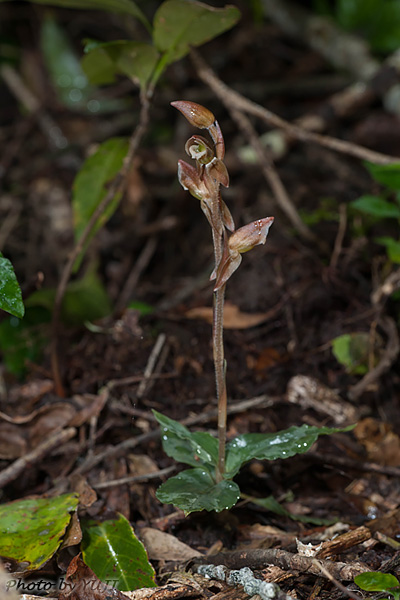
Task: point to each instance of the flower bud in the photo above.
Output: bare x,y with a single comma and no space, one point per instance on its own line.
198,148
196,114
253,234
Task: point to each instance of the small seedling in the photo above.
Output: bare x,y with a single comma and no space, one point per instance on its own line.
208,485
379,582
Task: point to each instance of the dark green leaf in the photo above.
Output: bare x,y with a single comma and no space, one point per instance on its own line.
271,446
388,175
194,449
377,207
135,60
117,6
179,24
32,530
273,505
196,489
376,582
22,340
90,183
111,549
352,351
85,300
10,292
392,248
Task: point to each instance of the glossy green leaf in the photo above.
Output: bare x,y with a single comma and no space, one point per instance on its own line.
271,446
117,6
90,185
179,24
392,248
135,60
352,351
273,506
32,530
377,207
112,550
194,449
196,489
10,292
376,581
388,175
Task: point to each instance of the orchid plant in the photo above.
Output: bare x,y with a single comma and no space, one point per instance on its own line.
208,485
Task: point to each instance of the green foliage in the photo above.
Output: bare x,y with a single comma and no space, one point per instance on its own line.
22,340
103,62
196,489
31,530
90,183
111,549
10,292
352,351
383,207
379,582
377,20
127,7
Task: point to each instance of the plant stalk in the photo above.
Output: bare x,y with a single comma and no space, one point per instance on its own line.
219,366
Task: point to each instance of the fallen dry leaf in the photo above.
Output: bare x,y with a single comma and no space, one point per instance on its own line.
234,318
164,546
380,442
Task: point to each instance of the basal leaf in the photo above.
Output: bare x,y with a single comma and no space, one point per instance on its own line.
196,489
376,582
135,60
271,446
377,207
388,175
117,6
179,24
90,183
10,292
112,550
194,449
32,530
352,351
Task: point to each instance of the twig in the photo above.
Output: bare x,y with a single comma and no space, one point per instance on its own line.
31,103
337,583
140,265
116,187
270,173
390,354
17,467
259,558
133,479
337,248
349,463
242,103
155,353
390,285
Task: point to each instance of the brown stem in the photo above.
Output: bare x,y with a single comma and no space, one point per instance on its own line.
219,366
116,187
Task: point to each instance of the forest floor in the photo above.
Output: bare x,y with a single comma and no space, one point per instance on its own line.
285,305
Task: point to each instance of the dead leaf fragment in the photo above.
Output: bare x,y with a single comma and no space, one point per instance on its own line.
234,318
164,546
379,440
